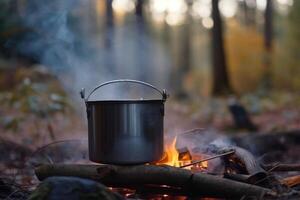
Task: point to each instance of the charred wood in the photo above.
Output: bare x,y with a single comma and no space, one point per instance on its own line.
239,162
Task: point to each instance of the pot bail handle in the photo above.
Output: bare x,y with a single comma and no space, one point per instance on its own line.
162,92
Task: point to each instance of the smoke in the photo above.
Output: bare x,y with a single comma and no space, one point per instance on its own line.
201,139
71,38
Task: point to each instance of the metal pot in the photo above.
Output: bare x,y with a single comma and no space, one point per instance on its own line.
125,131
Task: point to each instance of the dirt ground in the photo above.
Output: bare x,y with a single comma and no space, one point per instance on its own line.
30,136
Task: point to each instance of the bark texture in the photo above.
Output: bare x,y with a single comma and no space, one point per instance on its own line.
194,184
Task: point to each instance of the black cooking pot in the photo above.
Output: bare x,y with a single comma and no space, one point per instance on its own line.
125,131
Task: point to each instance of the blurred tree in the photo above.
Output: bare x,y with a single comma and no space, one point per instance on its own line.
109,12
268,38
248,12
268,25
140,28
11,28
139,13
184,61
221,83
109,35
139,8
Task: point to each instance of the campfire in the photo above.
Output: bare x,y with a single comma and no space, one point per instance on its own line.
129,141
183,173
181,158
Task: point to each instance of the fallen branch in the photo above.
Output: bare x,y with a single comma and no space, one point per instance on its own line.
282,167
291,181
195,184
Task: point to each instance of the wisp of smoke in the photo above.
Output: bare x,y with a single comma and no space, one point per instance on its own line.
66,37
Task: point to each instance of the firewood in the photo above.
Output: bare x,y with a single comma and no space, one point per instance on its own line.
237,177
282,167
184,154
244,178
259,179
243,162
195,184
291,181
239,162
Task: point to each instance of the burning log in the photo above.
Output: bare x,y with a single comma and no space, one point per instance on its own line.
241,165
193,184
242,162
291,181
247,162
184,154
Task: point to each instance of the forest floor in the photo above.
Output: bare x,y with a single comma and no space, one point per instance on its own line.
36,111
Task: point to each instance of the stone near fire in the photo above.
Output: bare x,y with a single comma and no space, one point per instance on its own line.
63,188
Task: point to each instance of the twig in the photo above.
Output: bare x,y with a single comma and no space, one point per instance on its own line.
282,167
48,158
192,131
209,158
11,194
273,167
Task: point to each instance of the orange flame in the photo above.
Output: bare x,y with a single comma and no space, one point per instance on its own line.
171,158
172,154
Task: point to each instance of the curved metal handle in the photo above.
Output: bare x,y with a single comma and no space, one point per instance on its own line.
163,92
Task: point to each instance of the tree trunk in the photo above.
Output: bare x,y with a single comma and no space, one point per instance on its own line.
268,26
268,37
109,36
139,8
109,13
221,83
249,13
140,28
109,23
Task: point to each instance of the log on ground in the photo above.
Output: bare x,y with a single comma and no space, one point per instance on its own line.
195,184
